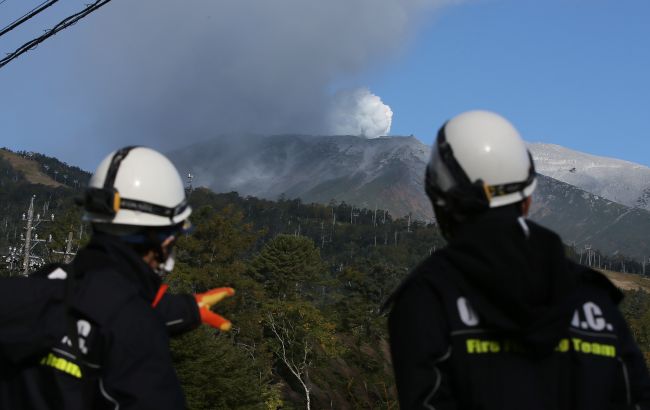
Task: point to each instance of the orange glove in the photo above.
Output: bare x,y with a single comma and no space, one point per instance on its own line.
207,300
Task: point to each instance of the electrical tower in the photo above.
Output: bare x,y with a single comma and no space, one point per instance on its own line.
23,257
29,243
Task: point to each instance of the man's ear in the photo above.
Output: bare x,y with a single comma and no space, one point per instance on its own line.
525,206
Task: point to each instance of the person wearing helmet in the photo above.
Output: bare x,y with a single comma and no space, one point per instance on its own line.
500,318
116,315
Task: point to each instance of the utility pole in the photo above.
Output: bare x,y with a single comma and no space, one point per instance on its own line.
588,251
28,236
31,226
67,257
322,234
67,254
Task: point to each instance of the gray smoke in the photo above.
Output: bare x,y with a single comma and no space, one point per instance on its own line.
172,72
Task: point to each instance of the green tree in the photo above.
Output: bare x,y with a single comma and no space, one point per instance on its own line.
217,374
232,371
289,266
212,255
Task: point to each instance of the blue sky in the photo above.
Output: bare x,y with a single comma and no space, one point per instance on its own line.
569,72
572,72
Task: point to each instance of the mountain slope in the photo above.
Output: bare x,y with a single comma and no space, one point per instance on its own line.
388,173
382,172
585,219
619,181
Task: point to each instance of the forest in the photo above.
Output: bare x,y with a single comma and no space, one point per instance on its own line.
310,280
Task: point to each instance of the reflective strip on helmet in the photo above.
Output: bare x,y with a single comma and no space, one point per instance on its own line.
511,188
147,207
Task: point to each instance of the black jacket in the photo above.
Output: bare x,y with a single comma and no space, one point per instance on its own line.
500,319
123,342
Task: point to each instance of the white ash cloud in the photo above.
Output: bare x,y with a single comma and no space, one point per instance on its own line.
360,112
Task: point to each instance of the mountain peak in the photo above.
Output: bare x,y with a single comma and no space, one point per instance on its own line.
617,180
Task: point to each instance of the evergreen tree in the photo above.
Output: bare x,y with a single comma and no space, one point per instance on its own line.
289,266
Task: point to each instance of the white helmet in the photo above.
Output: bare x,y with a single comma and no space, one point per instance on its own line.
479,160
136,186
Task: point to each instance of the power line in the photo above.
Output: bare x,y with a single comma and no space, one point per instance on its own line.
33,12
63,24
2,2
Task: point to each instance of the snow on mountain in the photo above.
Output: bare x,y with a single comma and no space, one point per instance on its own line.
620,181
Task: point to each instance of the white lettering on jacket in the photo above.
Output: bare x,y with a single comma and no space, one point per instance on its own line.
83,328
590,317
467,314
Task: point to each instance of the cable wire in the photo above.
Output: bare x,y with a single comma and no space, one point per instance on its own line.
20,20
63,24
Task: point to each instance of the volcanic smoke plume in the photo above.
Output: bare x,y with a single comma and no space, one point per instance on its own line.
168,72
359,112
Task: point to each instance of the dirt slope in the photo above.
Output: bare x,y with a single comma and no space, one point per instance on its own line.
627,281
30,169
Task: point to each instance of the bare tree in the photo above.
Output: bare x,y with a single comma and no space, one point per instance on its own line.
293,351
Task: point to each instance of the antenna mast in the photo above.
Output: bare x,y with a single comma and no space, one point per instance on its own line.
188,183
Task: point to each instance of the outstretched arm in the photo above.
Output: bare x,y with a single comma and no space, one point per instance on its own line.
182,313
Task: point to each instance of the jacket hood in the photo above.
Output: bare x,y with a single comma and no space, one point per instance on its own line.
516,274
107,252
